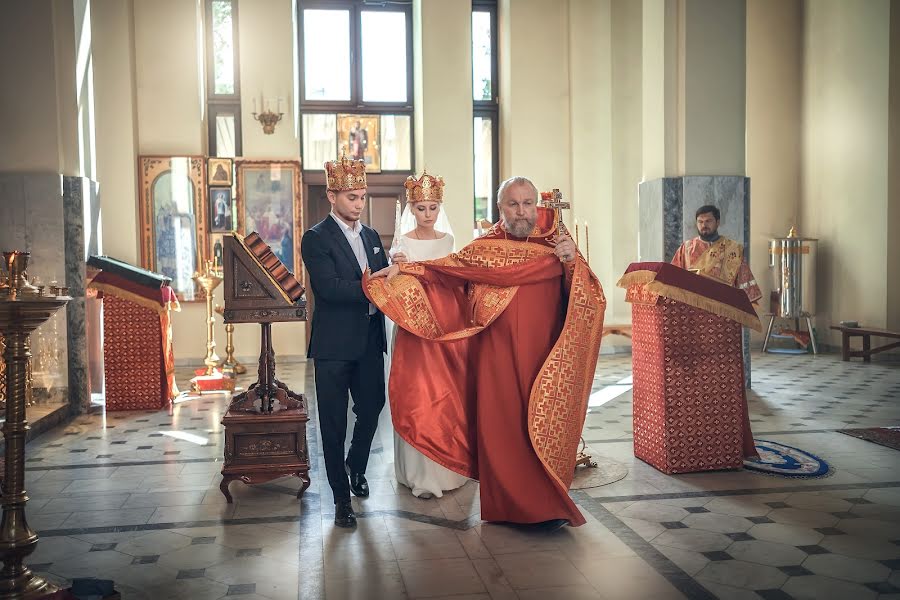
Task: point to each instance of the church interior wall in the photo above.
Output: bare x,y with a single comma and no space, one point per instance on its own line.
443,105
577,113
773,130
844,197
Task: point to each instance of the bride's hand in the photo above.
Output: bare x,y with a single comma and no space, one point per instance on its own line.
399,257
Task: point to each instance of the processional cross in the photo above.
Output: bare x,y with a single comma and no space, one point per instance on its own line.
556,201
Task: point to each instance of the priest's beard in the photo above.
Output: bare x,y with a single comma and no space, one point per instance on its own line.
519,227
709,236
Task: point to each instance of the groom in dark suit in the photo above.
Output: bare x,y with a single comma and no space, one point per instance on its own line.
348,337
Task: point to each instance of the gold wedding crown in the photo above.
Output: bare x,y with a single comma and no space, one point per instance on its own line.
424,189
345,174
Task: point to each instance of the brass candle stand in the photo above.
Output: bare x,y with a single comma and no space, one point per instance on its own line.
23,308
209,281
230,366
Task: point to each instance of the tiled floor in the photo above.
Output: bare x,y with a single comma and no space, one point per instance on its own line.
134,497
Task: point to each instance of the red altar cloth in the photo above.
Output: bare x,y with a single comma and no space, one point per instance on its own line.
138,355
495,355
690,408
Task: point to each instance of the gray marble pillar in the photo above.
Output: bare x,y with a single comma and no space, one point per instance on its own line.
81,212
56,219
666,212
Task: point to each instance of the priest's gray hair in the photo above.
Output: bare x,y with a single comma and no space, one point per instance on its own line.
512,181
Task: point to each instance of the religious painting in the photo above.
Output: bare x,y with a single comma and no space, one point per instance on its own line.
269,197
359,138
217,250
173,218
221,213
218,171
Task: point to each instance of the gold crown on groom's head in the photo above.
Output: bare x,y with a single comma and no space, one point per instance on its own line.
345,174
424,189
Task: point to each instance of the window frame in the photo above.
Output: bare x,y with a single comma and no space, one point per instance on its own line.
356,104
490,109
219,103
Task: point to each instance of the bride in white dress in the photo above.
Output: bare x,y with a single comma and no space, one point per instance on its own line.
425,235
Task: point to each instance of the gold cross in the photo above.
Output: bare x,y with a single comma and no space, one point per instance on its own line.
557,203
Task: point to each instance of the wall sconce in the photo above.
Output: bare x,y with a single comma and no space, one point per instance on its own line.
268,118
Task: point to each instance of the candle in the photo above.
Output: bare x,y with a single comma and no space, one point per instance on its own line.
576,233
279,106
587,243
397,212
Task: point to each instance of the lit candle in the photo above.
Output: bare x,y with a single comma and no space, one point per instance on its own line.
576,233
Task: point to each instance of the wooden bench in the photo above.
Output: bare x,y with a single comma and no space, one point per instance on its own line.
865,333
624,330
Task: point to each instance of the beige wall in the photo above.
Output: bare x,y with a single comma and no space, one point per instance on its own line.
845,156
115,106
590,64
534,93
774,86
714,87
443,101
38,113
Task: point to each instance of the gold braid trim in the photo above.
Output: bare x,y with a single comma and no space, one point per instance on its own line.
135,298
648,279
636,278
702,302
557,406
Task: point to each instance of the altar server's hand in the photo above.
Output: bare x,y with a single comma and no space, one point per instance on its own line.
389,272
399,257
565,248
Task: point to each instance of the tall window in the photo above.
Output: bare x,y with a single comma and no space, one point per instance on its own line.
485,107
356,92
223,90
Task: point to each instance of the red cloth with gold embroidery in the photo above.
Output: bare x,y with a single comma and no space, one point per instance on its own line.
493,365
690,406
138,352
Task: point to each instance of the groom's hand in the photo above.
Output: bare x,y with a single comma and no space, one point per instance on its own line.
388,272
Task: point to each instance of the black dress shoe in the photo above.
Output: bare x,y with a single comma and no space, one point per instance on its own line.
344,515
358,484
551,525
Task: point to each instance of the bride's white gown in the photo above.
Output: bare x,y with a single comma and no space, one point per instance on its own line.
412,468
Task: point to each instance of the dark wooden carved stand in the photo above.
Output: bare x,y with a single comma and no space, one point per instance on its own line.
265,426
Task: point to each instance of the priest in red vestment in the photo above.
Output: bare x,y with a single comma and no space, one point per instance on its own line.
495,356
716,256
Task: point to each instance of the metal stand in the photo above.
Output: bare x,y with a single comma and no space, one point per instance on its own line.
809,328
21,312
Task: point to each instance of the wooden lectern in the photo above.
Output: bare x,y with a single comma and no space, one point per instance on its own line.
265,426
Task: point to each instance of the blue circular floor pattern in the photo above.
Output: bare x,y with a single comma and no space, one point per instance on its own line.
786,461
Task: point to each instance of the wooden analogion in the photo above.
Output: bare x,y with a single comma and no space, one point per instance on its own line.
265,426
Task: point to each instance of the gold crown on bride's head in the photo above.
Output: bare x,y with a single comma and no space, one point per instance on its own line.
345,174
424,189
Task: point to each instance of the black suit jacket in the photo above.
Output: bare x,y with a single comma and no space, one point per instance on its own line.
340,323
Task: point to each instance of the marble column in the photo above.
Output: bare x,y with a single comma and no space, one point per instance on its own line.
55,218
667,209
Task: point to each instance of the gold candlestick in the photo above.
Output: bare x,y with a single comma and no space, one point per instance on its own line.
209,281
230,366
20,314
587,243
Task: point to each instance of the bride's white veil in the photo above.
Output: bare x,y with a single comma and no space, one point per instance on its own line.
408,221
